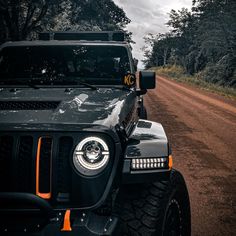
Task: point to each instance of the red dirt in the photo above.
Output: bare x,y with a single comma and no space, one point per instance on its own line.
202,130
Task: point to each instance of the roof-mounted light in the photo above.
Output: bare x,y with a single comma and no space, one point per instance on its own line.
84,35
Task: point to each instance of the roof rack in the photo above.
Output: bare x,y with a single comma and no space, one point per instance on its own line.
84,35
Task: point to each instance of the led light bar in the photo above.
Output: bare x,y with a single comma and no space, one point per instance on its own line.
84,35
149,163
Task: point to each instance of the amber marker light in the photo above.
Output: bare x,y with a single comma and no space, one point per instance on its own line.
170,162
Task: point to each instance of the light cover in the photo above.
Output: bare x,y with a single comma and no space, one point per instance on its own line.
149,163
91,156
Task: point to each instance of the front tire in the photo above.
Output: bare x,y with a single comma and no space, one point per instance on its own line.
159,208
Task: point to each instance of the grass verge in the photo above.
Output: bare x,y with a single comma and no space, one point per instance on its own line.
177,73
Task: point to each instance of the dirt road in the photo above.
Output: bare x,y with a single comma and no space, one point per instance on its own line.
202,129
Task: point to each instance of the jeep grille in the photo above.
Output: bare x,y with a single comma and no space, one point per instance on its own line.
18,163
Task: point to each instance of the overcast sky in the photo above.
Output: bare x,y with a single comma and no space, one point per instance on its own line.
148,16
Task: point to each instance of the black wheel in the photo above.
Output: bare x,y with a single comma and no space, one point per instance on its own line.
160,208
143,112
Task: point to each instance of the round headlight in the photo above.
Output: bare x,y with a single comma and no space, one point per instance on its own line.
91,156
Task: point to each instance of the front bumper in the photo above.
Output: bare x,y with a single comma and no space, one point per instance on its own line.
27,214
92,225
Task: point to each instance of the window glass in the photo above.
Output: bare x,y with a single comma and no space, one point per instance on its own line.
58,64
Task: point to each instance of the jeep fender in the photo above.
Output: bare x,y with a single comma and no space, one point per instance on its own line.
148,141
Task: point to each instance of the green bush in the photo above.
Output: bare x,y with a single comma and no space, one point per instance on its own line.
171,70
222,73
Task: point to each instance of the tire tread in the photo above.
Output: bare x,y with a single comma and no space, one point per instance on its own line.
145,206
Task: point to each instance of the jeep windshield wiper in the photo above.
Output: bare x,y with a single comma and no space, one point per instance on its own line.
73,81
121,87
87,85
15,82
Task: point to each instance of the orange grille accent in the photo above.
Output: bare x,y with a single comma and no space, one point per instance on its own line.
66,223
38,193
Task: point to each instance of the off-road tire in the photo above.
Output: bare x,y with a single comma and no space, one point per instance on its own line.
161,208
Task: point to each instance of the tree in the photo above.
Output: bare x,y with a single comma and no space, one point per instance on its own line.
104,14
203,40
216,37
22,19
183,25
160,49
99,15
149,57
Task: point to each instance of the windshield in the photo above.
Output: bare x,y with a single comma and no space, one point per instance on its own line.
64,64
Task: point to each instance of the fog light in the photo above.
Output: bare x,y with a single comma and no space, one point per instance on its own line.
149,163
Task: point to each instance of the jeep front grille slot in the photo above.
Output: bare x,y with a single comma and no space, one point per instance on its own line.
6,149
28,105
64,178
24,164
43,167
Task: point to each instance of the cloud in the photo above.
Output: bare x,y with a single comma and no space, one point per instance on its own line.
148,16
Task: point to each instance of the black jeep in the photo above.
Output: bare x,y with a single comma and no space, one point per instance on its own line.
77,154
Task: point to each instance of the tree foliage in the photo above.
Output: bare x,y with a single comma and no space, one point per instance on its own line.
19,19
103,14
203,41
23,19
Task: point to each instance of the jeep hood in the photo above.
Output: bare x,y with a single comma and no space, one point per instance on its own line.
107,107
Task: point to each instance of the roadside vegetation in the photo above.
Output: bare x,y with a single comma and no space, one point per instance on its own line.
178,73
202,42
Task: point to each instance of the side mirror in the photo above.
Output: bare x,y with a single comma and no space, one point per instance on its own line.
147,80
135,64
